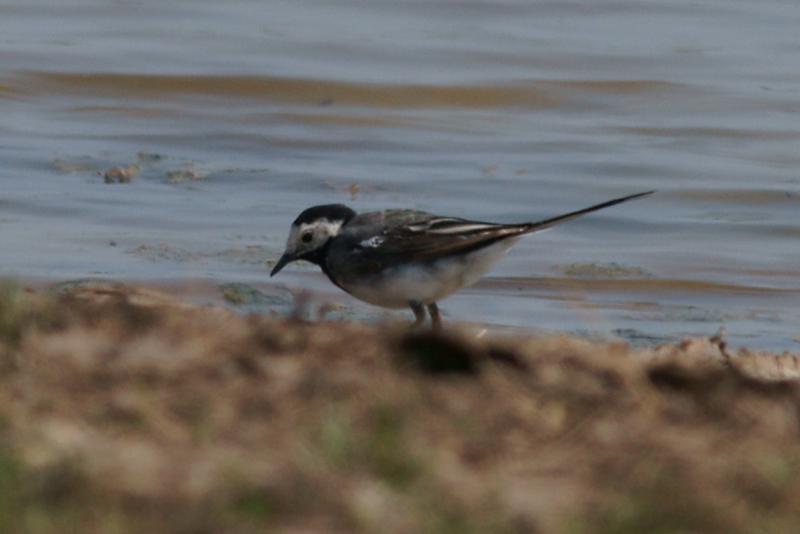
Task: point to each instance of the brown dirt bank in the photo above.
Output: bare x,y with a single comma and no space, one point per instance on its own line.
123,410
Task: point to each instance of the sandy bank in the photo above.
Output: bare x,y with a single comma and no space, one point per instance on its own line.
125,410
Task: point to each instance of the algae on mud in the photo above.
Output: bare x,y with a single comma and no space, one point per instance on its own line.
126,410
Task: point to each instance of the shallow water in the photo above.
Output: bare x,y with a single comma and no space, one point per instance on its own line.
240,114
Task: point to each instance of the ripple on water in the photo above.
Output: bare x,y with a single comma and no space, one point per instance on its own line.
293,91
530,94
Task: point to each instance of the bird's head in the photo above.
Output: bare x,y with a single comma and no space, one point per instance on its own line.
310,233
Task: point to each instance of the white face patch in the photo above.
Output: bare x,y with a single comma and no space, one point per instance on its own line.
329,228
312,235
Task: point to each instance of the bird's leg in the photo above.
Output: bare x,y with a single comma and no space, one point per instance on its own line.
436,318
419,313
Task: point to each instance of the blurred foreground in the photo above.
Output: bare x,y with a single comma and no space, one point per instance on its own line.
124,410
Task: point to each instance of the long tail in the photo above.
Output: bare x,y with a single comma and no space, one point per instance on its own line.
548,223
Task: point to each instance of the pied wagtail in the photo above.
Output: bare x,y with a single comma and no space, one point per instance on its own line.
398,258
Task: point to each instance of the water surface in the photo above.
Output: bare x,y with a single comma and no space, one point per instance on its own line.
240,114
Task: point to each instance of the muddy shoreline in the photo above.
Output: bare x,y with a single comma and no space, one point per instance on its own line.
125,409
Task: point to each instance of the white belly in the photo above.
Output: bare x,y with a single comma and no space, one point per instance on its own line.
428,283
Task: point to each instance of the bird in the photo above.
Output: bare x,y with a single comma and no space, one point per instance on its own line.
404,258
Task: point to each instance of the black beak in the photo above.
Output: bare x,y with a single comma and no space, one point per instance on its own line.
285,260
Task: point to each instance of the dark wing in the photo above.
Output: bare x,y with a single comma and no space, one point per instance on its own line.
377,241
437,237
400,236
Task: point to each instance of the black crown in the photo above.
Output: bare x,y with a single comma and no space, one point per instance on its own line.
332,212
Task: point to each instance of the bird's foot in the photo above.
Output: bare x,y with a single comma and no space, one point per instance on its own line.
419,315
436,318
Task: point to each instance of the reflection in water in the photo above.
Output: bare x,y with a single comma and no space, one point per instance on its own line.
236,117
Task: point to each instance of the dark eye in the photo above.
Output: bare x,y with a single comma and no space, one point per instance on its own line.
306,237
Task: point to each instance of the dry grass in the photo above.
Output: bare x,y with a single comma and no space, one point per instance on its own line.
122,410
